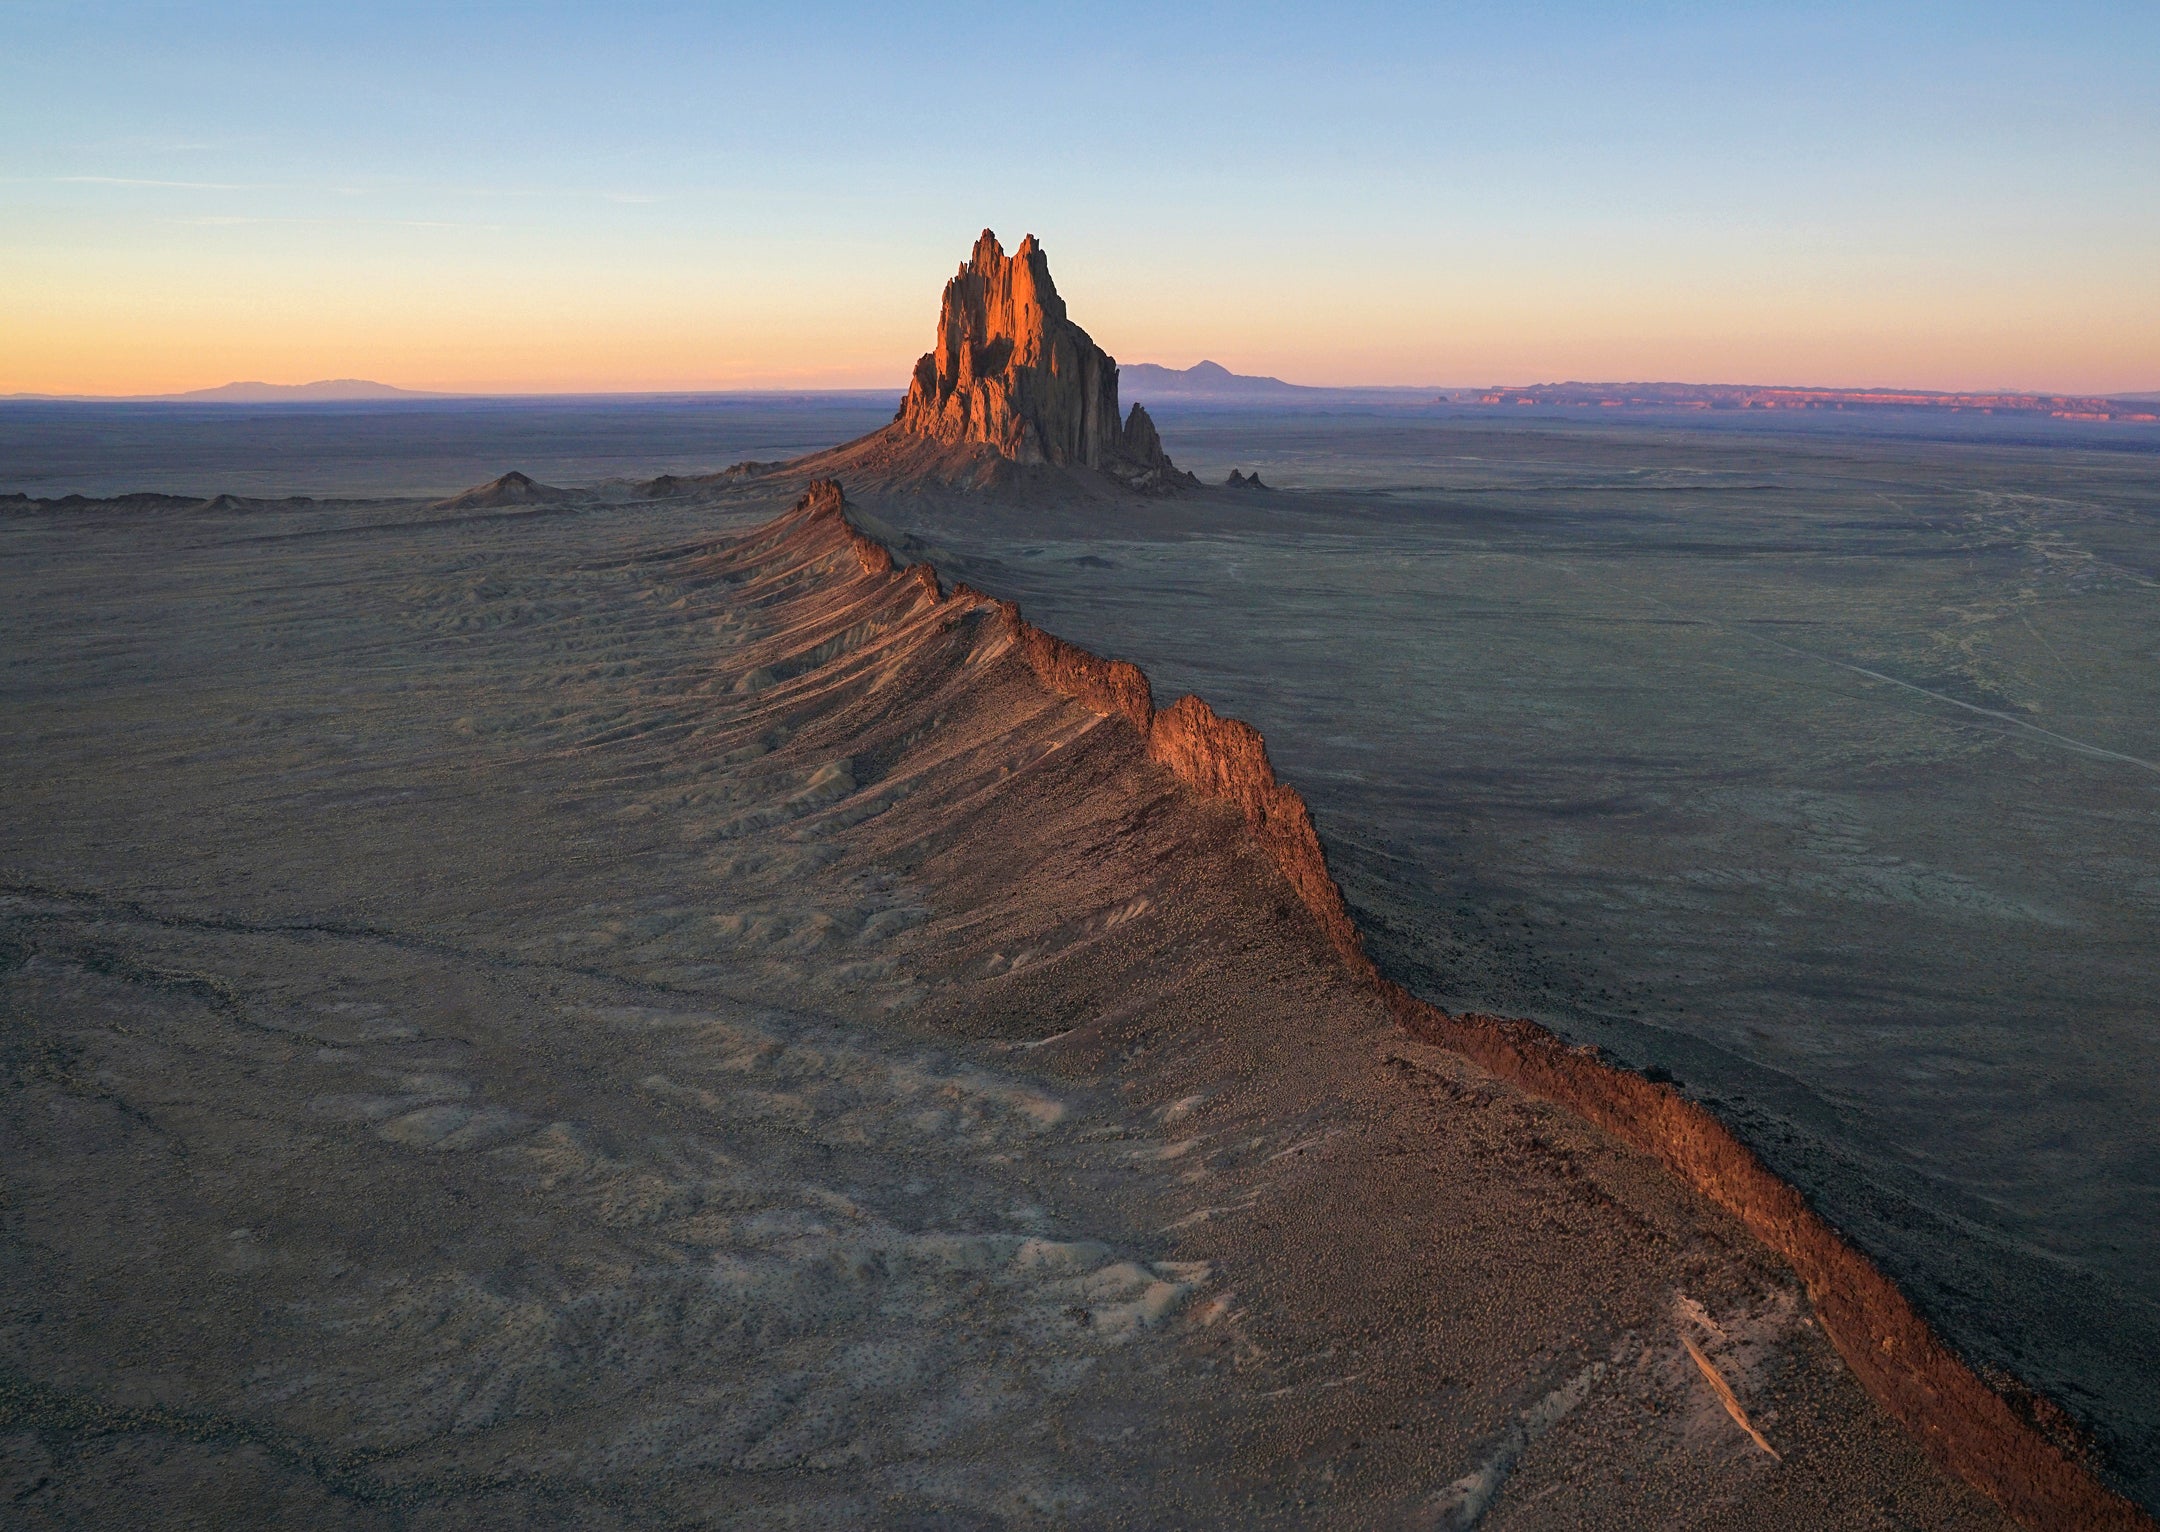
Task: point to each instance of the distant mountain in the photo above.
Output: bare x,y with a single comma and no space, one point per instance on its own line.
1755,396
1204,380
329,390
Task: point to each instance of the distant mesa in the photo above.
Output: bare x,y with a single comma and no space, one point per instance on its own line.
511,489
1208,380
327,391
1755,396
1011,383
149,500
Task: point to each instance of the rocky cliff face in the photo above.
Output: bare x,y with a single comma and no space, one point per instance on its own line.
1011,372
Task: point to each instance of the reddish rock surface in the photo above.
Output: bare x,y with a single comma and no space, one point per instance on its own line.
1012,373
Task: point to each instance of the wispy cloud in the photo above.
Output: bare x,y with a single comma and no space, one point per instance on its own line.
555,193
391,187
388,186
143,181
226,221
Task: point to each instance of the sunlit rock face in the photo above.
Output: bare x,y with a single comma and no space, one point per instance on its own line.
1011,372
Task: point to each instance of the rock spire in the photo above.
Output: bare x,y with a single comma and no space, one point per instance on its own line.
1012,373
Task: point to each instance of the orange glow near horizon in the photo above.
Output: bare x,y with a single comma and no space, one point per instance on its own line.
684,197
122,325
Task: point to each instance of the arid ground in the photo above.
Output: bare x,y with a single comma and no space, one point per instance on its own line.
1817,769
584,1015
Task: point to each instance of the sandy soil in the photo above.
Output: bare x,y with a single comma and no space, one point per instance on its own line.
607,1016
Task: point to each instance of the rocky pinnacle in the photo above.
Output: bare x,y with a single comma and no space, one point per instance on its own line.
1011,372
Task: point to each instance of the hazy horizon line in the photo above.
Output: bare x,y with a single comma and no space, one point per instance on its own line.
198,394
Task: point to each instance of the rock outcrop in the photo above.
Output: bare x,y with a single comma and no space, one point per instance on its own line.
512,488
1011,373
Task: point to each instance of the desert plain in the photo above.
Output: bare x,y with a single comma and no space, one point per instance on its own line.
631,995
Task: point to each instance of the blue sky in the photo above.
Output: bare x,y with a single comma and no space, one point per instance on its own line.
641,195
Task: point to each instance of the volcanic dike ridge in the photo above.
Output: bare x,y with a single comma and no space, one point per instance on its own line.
1011,383
2013,1445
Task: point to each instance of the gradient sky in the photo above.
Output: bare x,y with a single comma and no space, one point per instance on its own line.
626,196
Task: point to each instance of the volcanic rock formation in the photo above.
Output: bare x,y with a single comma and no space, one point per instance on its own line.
512,488
1011,371
1012,380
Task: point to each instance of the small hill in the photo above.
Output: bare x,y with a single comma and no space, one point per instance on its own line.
511,489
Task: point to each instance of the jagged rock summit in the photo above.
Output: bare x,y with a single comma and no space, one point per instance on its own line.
1012,380
1010,370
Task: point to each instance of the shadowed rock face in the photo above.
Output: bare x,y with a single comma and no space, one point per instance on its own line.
1012,373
